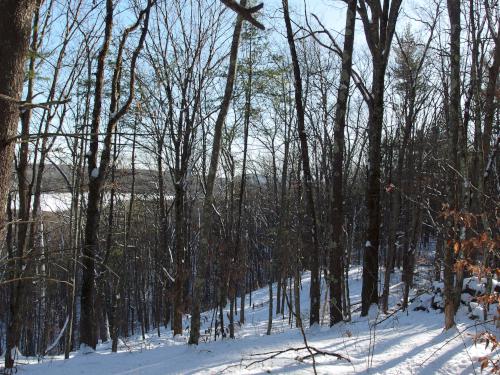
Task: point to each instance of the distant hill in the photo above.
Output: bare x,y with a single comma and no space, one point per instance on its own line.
55,180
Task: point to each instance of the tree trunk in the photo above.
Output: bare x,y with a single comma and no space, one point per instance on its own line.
179,258
88,318
15,27
270,316
337,214
454,129
369,293
379,31
296,297
206,222
310,219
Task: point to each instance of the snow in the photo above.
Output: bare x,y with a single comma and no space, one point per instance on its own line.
410,342
55,202
373,313
61,202
94,173
84,349
474,284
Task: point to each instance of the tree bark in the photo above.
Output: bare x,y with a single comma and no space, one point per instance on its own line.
369,293
15,26
88,318
454,129
379,30
337,214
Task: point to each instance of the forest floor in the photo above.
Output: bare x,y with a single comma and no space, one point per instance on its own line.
405,342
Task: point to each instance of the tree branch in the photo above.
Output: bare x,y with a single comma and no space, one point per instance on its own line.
22,104
245,13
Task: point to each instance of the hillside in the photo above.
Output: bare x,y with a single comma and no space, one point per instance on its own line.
411,342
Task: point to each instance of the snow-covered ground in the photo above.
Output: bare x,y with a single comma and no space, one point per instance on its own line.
411,342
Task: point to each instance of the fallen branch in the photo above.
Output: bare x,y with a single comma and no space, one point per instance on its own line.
303,333
322,352
313,352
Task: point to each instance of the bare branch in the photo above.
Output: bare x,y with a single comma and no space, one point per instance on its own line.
23,105
246,13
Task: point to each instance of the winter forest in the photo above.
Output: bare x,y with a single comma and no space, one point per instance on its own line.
241,186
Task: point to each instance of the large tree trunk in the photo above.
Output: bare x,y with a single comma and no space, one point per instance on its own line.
337,249
379,30
15,26
489,111
88,318
179,257
369,293
454,129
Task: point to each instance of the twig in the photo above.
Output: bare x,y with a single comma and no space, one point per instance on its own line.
22,104
304,338
313,352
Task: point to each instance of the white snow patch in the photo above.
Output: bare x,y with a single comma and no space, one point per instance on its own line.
373,313
85,349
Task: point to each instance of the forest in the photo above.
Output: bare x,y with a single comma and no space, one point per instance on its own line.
291,186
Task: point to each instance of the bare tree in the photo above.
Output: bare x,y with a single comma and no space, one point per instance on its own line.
15,27
311,221
337,215
379,23
208,203
97,172
454,128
